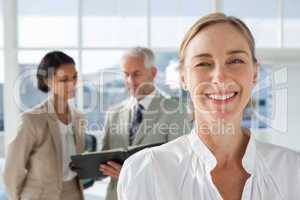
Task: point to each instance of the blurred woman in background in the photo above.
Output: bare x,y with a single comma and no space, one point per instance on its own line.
37,161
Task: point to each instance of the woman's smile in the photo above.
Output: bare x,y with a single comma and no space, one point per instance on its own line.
221,98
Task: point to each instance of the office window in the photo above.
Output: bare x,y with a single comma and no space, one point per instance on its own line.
102,84
258,112
35,56
96,60
291,23
49,23
1,91
260,16
114,23
168,72
170,19
1,26
1,68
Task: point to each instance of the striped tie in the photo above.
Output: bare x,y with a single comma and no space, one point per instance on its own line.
137,119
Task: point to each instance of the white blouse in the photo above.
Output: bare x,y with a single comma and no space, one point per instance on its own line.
68,149
180,170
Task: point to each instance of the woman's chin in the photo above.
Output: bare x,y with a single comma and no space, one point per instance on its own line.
224,115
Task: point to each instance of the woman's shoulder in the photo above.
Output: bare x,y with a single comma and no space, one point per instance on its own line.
272,150
169,153
36,111
277,157
173,150
36,116
146,168
283,166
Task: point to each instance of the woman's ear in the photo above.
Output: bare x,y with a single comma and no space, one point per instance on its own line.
256,73
48,83
182,79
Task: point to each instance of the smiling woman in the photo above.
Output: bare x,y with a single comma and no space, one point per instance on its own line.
220,79
220,159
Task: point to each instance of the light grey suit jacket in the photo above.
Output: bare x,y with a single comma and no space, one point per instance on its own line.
33,166
164,120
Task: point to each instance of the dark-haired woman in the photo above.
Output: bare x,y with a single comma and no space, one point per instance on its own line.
38,157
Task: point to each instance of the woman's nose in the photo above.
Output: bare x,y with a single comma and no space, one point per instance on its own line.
72,84
219,75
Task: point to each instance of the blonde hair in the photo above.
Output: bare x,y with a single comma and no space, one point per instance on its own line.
211,19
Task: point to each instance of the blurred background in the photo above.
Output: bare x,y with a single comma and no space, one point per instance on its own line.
96,33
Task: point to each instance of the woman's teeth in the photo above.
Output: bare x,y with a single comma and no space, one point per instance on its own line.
221,97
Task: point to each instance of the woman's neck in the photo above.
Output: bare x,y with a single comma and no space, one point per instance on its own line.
226,140
60,105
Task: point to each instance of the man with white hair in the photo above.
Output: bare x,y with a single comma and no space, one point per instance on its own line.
147,117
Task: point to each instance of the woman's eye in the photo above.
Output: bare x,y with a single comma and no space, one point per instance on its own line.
236,61
203,64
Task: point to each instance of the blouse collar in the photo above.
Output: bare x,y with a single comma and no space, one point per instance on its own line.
210,161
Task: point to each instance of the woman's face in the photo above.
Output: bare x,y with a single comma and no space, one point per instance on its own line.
63,82
219,72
